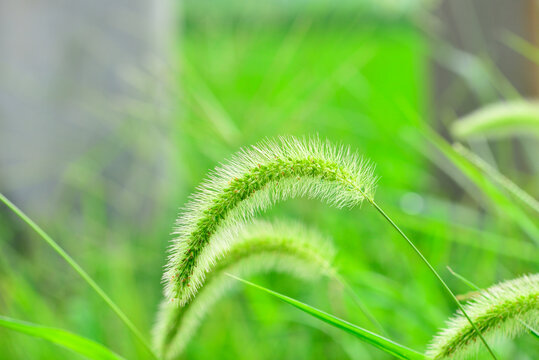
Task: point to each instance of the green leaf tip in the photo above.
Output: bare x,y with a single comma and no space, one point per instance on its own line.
386,345
76,343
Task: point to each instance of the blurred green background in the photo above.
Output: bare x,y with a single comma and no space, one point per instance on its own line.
236,72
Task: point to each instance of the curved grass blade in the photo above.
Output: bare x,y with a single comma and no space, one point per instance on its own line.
76,343
386,345
83,274
498,178
521,46
499,198
355,298
498,120
470,284
440,279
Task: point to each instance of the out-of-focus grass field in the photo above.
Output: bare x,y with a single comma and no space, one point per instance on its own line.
246,73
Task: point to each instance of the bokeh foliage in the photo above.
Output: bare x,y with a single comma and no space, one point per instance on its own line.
352,74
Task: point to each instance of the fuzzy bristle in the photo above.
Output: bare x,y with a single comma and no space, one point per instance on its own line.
499,311
251,181
260,247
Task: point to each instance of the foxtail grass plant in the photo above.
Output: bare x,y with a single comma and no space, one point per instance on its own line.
505,310
254,179
212,242
260,247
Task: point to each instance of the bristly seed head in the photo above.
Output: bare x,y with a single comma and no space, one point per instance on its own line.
260,247
254,179
497,311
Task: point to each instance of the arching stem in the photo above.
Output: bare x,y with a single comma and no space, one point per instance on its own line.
396,227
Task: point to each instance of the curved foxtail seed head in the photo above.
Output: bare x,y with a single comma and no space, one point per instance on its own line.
498,120
498,311
260,247
254,179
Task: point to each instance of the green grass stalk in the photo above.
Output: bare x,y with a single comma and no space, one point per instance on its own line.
431,268
83,274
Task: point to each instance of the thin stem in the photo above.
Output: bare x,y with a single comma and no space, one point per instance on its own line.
533,331
362,307
434,272
463,279
80,271
498,178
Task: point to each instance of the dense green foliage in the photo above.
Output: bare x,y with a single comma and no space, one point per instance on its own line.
352,77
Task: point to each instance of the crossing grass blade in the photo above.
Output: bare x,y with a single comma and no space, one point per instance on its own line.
83,274
76,343
498,197
496,177
386,345
502,201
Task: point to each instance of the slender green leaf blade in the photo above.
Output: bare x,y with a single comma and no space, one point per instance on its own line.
521,46
83,274
523,197
498,197
79,344
378,341
464,280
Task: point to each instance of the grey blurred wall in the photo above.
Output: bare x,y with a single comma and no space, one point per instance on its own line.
481,28
67,68
479,33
